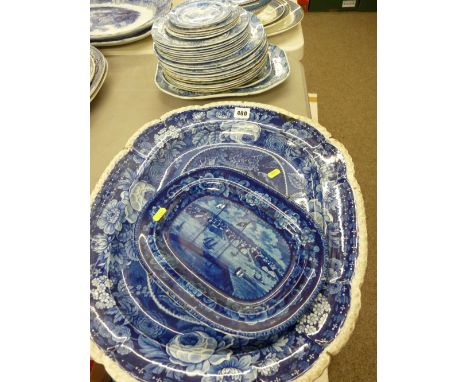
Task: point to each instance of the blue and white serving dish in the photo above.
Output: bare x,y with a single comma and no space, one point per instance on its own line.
232,251
228,243
113,20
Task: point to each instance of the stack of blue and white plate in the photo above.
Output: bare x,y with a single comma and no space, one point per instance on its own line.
118,22
214,48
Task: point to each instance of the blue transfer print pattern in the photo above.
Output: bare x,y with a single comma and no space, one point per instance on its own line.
211,238
103,18
152,351
258,254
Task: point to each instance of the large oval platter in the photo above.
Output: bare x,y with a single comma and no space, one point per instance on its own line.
217,235
141,331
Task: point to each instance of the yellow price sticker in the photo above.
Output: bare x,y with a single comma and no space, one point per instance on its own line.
158,215
274,173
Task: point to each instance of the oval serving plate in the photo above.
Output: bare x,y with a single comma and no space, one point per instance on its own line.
139,331
112,19
217,233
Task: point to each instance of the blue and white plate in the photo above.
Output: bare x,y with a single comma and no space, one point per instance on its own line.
142,331
278,75
161,37
200,14
113,19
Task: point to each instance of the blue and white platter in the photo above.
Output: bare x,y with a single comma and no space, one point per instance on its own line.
225,248
112,20
228,243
